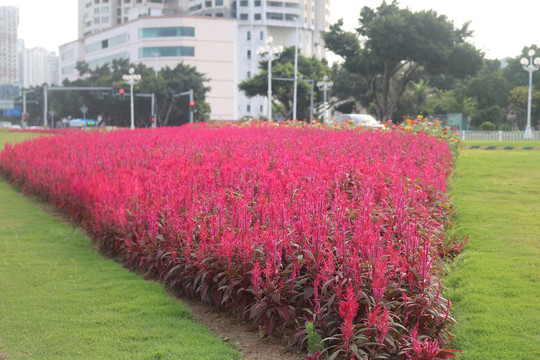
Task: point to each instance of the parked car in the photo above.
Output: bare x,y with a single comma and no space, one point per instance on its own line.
357,120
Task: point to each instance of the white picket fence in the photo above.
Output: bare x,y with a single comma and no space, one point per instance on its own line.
496,135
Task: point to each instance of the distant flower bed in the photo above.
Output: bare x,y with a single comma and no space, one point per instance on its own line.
337,231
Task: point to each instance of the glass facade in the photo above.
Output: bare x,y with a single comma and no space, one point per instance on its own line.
166,51
100,45
166,32
107,60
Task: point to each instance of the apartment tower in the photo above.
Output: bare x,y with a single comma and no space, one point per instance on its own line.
9,60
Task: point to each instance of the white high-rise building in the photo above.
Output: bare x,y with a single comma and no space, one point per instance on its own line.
256,22
38,67
9,60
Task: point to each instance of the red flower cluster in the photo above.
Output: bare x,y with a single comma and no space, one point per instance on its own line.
282,224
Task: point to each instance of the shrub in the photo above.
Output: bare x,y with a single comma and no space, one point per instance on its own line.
285,225
488,126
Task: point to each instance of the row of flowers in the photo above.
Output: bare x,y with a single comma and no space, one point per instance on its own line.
336,233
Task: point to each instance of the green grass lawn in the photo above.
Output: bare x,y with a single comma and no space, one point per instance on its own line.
519,144
495,283
59,299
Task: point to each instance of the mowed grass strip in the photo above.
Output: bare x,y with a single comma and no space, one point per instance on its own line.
495,283
59,299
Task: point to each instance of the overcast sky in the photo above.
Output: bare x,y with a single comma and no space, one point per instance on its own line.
501,28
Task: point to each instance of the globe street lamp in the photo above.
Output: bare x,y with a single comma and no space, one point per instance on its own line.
325,86
531,66
132,79
269,53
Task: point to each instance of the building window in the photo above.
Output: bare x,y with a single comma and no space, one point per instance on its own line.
208,3
243,3
249,35
96,1
166,51
68,70
257,16
219,15
248,108
274,16
257,3
290,17
219,2
127,1
179,31
105,10
96,20
105,20
292,5
262,35
69,54
249,54
243,16
274,3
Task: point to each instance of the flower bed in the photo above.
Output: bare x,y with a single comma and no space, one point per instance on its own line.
289,226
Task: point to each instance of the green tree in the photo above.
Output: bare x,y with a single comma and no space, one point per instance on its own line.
518,100
115,111
489,89
282,91
394,46
349,91
514,72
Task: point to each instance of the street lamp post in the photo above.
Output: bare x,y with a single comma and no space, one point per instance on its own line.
531,66
51,114
295,95
84,109
325,86
269,53
132,79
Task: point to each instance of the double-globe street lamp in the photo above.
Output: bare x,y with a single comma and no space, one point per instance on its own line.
132,79
325,85
531,66
270,53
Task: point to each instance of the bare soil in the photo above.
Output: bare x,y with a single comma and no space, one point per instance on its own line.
243,336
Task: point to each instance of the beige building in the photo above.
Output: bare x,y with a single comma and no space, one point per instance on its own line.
203,42
255,21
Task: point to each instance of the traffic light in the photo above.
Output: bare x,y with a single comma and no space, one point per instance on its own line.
121,92
192,106
153,120
114,88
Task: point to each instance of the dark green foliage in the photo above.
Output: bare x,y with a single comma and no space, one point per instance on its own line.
308,68
115,111
398,46
493,114
488,126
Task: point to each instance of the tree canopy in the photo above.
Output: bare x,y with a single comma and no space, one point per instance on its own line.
116,111
394,46
308,68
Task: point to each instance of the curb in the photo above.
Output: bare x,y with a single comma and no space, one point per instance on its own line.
478,147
